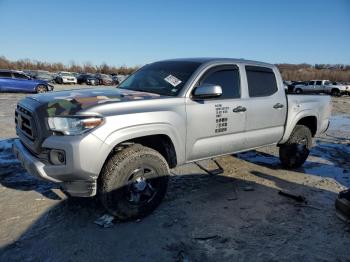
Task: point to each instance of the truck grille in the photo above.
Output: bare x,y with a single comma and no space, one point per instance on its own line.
24,122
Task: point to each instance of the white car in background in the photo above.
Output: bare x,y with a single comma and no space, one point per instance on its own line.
66,78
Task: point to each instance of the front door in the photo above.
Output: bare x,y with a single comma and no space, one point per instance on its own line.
216,126
21,83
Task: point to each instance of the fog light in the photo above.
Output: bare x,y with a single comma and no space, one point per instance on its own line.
57,157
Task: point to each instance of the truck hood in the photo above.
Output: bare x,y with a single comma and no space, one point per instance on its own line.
71,102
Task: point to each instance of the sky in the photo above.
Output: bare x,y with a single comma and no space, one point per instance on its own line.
141,31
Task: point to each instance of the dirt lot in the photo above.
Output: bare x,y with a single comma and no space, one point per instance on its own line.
237,216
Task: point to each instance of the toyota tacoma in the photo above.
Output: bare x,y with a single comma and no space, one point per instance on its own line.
119,143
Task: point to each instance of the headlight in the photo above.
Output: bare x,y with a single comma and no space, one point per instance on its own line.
73,125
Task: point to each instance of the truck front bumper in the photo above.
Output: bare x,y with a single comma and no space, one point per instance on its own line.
77,177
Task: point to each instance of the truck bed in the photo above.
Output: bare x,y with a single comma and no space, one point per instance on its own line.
312,105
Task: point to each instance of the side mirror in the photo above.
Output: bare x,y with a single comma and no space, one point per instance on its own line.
207,91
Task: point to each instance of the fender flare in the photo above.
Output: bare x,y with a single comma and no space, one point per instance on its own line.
129,133
290,127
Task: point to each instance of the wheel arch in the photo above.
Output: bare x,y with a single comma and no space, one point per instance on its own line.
310,122
335,90
307,118
159,137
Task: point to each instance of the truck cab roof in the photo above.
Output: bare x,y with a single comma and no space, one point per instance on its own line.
212,60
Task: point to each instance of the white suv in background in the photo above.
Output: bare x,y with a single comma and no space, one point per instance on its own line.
66,78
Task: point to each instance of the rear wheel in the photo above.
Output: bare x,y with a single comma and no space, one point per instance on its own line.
133,182
295,151
41,89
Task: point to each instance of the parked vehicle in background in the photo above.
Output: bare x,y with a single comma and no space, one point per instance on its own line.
65,78
121,142
82,78
121,78
30,73
17,81
75,74
291,85
104,79
322,86
92,80
43,75
115,80
338,89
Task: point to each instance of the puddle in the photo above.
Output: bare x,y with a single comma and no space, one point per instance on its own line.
340,123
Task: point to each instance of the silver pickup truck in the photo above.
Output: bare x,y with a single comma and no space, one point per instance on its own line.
120,142
322,86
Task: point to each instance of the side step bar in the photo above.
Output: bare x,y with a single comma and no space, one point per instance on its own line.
214,172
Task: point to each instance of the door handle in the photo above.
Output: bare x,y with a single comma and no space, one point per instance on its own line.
239,109
277,106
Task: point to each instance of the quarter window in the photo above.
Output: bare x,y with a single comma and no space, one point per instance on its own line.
229,81
261,81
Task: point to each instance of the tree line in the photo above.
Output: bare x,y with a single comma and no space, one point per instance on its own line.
297,72
304,72
27,64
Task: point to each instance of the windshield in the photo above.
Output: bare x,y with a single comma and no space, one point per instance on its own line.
66,74
163,78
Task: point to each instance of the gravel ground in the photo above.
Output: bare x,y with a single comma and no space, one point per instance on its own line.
236,216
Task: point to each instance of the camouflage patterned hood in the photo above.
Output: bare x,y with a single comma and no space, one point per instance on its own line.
70,102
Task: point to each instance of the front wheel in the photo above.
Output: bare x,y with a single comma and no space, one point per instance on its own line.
295,151
298,91
133,182
335,92
41,89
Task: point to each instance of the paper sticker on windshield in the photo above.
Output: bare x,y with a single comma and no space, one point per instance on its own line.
173,80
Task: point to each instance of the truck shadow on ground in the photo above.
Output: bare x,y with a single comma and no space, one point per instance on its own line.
327,159
202,218
12,174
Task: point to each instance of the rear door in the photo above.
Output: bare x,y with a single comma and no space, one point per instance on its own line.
5,81
318,87
213,128
266,107
310,88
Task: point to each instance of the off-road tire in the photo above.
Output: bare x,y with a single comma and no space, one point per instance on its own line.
41,89
114,178
290,154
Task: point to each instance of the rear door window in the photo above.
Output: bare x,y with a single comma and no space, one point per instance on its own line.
6,74
318,83
261,81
